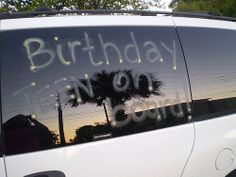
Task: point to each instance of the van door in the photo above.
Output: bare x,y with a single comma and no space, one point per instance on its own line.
86,100
2,169
209,47
2,166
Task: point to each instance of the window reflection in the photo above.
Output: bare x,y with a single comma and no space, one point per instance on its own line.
23,134
211,61
78,85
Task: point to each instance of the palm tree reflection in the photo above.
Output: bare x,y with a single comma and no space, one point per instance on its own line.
117,88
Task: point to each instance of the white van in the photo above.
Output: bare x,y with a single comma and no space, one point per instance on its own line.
117,93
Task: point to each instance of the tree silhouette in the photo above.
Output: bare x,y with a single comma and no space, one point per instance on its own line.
29,5
27,134
118,87
55,137
88,133
84,134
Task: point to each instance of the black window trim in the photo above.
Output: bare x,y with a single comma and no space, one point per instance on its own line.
1,126
1,130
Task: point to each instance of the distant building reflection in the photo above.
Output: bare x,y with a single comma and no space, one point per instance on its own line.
167,118
27,134
207,108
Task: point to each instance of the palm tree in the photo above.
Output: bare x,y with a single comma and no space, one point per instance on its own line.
117,86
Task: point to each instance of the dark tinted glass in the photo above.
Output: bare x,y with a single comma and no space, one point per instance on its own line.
1,140
67,86
211,60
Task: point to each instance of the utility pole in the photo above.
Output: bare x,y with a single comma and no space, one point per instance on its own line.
107,118
60,120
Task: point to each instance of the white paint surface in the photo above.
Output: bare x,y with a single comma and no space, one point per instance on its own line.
212,137
75,21
204,23
157,153
2,169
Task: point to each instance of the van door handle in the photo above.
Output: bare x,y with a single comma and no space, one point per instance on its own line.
47,174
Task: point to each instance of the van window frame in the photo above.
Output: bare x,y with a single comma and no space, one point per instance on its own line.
1,126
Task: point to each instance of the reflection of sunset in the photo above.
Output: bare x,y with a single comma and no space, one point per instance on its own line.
72,124
74,118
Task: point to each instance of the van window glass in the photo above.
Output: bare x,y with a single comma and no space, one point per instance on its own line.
211,60
1,140
66,86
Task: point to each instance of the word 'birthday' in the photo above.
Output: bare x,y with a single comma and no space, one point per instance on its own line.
39,52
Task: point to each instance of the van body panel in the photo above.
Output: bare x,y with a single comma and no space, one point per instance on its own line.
156,153
78,21
212,138
209,49
203,23
2,168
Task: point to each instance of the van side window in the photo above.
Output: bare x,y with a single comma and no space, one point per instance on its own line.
1,137
1,140
68,86
211,60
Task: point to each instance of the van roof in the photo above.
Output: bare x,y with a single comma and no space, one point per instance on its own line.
204,15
